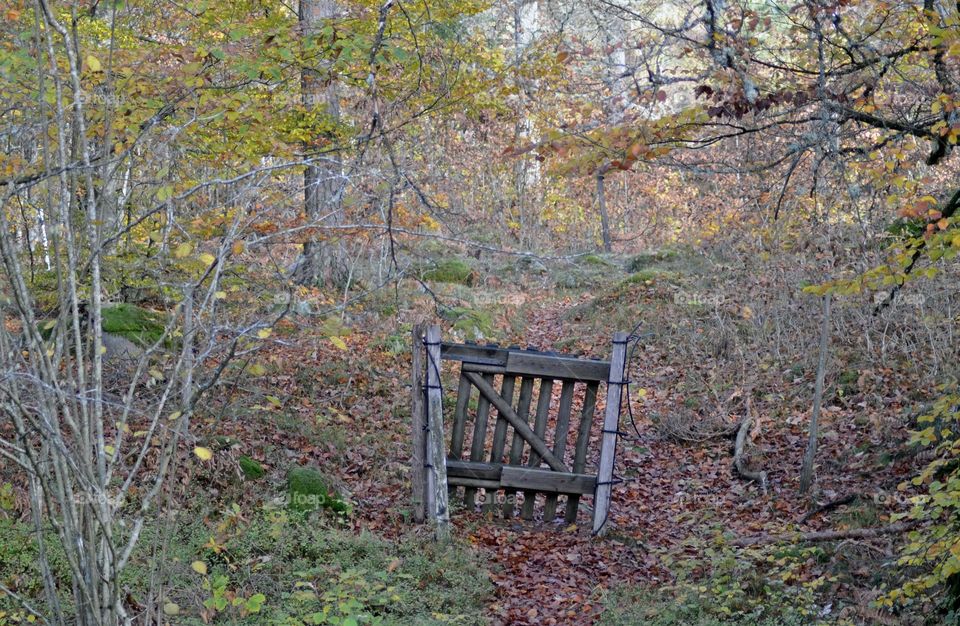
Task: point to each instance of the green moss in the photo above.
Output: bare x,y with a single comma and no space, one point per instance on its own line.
594,259
646,259
251,468
141,326
309,490
649,276
450,271
474,324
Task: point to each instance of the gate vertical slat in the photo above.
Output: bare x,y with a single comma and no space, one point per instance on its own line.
479,439
418,476
611,426
516,447
539,429
437,457
583,440
460,417
459,423
499,437
560,441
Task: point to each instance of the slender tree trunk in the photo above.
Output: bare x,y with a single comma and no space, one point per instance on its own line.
806,472
323,177
604,218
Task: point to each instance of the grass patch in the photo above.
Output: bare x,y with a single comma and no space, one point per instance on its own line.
272,566
628,607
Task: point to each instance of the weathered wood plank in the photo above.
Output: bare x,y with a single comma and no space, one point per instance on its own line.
479,432
539,429
560,440
516,447
470,469
547,481
484,355
555,366
475,483
500,435
418,426
521,427
500,431
513,362
583,441
611,424
460,417
437,456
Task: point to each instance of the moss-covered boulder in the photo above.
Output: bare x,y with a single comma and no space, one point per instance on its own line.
449,271
308,489
138,325
646,259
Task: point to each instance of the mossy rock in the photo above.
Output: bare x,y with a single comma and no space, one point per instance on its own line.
450,271
473,323
594,259
649,276
646,259
251,468
575,278
141,326
309,490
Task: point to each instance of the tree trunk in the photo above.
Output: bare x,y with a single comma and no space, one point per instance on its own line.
323,176
806,473
604,218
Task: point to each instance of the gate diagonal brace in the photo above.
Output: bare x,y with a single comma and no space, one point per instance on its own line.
518,424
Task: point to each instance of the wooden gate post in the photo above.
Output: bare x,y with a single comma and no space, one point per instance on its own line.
436,455
611,427
418,476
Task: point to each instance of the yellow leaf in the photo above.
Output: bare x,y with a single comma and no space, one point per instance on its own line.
108,450
204,454
199,567
220,295
340,343
175,415
237,247
263,333
182,250
171,608
207,258
93,63
257,370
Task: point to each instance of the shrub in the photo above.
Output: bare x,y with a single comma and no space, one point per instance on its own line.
932,553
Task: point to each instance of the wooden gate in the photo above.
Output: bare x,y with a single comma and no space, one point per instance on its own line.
494,449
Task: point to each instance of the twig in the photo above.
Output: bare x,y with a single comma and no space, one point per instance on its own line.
828,506
826,535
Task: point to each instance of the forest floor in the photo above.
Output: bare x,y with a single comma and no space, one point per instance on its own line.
335,395
674,515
